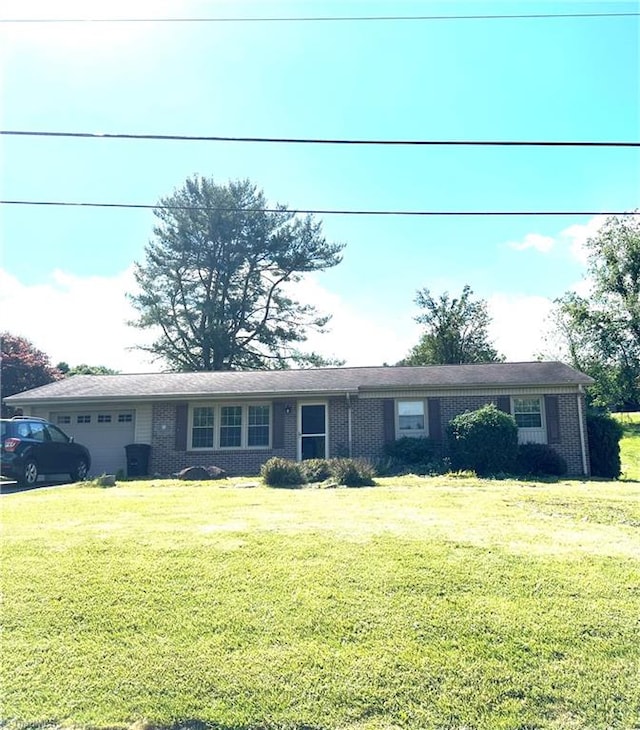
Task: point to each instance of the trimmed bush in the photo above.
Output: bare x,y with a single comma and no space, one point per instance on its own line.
278,472
604,445
316,470
410,451
540,460
352,472
485,441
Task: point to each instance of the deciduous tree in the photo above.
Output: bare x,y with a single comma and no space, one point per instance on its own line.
84,369
23,367
217,280
455,330
600,333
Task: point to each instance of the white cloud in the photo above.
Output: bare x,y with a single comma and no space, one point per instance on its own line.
573,238
544,244
576,237
76,320
518,325
360,339
83,320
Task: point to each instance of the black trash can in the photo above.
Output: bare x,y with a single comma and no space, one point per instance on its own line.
137,459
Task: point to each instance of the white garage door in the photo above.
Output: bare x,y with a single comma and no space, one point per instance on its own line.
104,433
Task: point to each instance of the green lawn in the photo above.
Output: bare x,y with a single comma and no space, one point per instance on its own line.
630,445
420,603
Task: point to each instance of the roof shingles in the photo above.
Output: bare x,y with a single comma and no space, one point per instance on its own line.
312,381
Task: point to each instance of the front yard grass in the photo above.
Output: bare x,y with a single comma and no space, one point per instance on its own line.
630,444
419,603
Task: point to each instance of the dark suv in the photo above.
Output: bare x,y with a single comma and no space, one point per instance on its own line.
32,446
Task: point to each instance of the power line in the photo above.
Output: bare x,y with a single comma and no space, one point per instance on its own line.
311,140
320,211
329,18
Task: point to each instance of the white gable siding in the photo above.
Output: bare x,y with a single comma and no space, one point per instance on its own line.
143,423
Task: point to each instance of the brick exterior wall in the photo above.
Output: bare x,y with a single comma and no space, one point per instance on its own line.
166,459
367,434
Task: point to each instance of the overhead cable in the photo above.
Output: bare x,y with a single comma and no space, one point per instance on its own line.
312,140
321,211
326,18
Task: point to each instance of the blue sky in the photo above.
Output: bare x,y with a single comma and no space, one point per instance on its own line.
542,79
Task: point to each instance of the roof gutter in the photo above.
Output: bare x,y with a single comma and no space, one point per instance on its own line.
583,440
67,401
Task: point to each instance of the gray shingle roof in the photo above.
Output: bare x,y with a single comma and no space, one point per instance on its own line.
313,381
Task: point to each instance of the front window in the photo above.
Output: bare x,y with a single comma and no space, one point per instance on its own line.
528,412
202,431
230,426
259,420
411,420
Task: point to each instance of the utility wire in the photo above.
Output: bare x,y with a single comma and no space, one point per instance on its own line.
319,211
311,140
330,18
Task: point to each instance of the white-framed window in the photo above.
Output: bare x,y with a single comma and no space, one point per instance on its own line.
230,426
104,418
202,422
528,412
411,418
83,419
125,417
62,420
258,426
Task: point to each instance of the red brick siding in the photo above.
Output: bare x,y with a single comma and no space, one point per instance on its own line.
367,434
166,459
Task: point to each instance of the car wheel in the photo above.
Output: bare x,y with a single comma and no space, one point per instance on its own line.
29,473
79,474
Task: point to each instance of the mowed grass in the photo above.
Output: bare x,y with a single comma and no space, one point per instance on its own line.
630,445
419,603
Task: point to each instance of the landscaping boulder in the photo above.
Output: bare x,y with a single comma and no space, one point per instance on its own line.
201,473
215,472
193,473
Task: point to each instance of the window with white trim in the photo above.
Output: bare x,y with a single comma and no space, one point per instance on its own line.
202,428
528,412
411,418
104,418
230,426
258,426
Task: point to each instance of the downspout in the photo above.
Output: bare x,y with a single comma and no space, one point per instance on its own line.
583,440
349,426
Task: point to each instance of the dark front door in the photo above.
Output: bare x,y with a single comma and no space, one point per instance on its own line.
312,418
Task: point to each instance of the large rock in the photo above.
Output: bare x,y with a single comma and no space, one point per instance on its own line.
200,473
193,473
215,472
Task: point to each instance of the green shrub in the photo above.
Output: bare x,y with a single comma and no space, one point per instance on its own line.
410,451
352,472
604,445
540,460
278,472
316,470
485,441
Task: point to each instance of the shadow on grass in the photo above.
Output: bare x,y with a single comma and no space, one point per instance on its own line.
11,487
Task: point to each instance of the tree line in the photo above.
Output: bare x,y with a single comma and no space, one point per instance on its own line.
218,281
